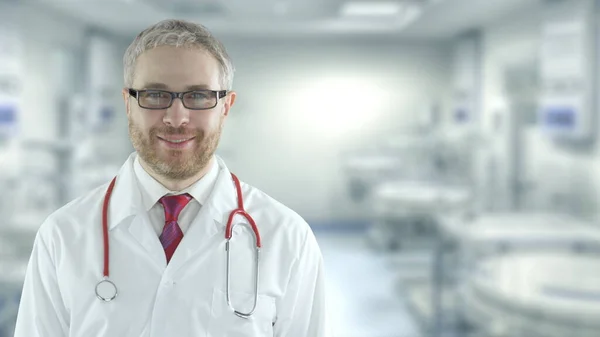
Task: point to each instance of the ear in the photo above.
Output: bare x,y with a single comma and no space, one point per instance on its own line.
229,101
126,95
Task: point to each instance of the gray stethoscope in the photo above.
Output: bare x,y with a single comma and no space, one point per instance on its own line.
106,290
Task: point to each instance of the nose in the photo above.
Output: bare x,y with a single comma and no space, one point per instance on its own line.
177,115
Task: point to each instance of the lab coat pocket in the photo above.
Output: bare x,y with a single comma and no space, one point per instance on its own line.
225,323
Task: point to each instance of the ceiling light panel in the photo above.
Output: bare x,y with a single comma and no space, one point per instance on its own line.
371,8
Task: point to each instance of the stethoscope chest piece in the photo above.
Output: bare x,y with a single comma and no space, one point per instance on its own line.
106,290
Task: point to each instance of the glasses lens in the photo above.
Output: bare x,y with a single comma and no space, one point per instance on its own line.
154,99
200,100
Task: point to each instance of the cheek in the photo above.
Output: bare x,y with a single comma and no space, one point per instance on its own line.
144,119
205,120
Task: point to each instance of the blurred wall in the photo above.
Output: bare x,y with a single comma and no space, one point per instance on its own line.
301,103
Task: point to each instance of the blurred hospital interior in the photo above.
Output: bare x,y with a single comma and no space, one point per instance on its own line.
444,152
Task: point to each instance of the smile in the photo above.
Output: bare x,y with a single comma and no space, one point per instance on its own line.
177,143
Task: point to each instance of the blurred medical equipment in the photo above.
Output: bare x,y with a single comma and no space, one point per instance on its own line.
405,212
466,84
38,178
12,275
551,294
12,76
34,196
100,136
8,182
405,209
569,47
404,156
44,173
467,242
93,164
364,170
106,290
37,192
98,152
11,283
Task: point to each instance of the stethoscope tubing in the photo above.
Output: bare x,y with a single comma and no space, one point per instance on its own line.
228,235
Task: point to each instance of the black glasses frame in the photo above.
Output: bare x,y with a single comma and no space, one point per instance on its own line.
218,94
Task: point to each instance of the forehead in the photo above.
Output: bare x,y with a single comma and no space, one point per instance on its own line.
177,68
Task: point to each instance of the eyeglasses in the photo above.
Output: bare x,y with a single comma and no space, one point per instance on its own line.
162,99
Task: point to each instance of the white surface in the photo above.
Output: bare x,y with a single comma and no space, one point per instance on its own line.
547,292
407,196
525,228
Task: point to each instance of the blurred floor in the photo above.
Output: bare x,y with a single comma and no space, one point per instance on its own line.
361,287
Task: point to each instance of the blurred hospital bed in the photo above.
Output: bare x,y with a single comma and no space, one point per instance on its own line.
492,274
548,293
489,274
405,182
405,212
407,157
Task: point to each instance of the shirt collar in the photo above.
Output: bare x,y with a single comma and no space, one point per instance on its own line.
151,190
220,199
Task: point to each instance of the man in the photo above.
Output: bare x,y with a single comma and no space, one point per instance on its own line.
166,264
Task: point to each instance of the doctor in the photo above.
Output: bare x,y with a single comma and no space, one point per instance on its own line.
163,264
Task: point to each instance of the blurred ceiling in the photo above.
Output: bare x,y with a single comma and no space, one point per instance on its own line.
421,19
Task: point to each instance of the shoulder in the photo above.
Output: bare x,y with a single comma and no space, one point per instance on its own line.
264,205
74,215
276,220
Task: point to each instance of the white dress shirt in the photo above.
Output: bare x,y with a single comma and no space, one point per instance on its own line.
151,191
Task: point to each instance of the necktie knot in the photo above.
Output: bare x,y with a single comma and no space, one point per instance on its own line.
173,205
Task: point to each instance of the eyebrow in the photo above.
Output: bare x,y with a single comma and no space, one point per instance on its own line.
156,85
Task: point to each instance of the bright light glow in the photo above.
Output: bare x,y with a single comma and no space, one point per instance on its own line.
370,8
337,106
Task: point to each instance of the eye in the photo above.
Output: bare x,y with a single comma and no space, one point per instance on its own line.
199,95
156,94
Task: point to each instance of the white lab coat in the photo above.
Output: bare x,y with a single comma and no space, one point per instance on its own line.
185,297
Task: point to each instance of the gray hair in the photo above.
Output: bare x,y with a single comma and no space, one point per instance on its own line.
178,33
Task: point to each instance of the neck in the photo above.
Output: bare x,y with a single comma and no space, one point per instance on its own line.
177,185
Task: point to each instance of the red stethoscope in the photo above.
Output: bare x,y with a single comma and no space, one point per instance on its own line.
106,290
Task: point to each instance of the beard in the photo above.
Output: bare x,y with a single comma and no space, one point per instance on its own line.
175,164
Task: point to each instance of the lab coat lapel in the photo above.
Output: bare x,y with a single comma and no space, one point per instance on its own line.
141,229
209,224
126,203
126,199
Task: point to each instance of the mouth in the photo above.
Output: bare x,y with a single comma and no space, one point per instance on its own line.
176,142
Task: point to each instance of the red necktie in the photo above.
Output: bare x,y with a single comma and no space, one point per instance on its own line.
172,234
